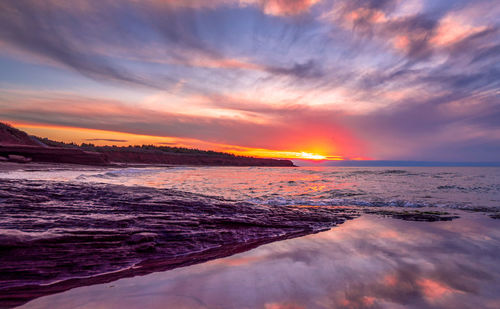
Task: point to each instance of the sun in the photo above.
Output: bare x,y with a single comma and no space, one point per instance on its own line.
311,156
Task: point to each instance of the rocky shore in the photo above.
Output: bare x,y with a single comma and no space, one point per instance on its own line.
59,235
55,236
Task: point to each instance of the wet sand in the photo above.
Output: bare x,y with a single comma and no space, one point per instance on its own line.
368,262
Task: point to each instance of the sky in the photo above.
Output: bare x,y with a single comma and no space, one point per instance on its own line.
318,79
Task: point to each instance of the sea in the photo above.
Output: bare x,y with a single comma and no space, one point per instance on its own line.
469,188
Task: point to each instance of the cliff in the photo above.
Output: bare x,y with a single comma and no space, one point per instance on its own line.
151,157
12,136
16,144
54,154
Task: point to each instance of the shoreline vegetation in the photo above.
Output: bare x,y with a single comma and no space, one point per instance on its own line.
18,146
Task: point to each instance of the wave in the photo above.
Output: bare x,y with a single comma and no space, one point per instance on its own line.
397,187
281,201
122,173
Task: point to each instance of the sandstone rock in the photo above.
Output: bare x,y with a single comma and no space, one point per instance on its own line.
18,159
80,234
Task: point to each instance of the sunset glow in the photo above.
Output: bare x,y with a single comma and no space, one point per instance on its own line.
312,156
310,79
103,138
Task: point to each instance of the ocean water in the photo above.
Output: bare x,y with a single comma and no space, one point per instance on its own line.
448,187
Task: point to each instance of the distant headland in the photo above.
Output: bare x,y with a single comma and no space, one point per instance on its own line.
18,146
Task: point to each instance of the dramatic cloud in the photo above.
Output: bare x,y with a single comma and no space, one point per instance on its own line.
285,7
385,79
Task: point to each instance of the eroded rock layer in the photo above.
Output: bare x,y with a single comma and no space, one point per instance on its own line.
59,235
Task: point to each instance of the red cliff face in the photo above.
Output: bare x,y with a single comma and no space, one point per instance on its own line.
78,156
17,146
13,136
14,142
191,159
55,154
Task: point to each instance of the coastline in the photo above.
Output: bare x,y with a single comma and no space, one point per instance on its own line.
110,156
368,262
50,166
59,235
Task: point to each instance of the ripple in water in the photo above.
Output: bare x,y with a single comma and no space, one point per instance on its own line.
452,187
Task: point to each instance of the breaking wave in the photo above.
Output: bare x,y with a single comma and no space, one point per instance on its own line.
451,187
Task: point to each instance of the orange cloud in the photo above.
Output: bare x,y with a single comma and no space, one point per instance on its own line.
348,17
401,42
452,29
224,64
365,301
390,280
434,290
282,306
248,128
269,7
287,7
365,14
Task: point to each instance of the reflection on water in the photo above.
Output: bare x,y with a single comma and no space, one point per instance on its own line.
369,262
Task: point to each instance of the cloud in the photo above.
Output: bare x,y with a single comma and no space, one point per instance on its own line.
309,69
106,140
115,116
104,41
412,34
425,130
391,79
286,7
65,37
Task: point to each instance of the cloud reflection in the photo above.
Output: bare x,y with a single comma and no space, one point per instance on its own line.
368,262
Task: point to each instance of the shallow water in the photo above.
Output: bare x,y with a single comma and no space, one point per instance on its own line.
369,262
55,236
451,187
